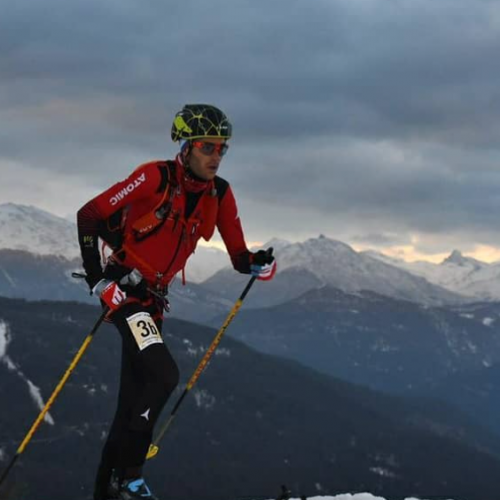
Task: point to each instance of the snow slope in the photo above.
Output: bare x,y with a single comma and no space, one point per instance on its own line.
34,391
356,496
463,275
36,231
33,230
337,264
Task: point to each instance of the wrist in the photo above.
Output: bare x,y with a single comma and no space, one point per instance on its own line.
100,286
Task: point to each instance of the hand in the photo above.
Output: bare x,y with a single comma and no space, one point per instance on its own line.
130,282
110,293
263,264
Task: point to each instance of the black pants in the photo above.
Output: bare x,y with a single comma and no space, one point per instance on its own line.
148,377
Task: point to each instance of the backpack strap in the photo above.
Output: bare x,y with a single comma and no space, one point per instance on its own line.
151,222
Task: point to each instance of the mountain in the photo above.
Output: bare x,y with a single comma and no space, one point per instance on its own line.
28,275
313,263
278,244
36,231
475,392
463,275
205,262
387,344
42,277
320,261
254,420
40,233
328,262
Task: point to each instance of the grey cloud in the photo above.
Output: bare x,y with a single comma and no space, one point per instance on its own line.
382,239
421,186
348,115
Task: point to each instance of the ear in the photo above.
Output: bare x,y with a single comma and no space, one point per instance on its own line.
186,151
185,155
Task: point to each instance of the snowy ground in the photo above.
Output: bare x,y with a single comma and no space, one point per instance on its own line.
34,391
357,496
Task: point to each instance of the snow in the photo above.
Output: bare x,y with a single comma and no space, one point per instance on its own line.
336,264
33,230
205,262
36,231
34,391
277,244
39,232
204,399
459,274
37,398
4,339
382,472
355,496
8,277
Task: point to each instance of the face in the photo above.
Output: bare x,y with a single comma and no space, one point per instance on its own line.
205,165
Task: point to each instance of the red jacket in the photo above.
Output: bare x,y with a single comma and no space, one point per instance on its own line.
123,214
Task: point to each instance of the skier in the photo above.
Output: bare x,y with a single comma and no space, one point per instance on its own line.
152,222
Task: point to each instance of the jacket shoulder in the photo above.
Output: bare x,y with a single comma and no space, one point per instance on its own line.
164,168
151,165
221,186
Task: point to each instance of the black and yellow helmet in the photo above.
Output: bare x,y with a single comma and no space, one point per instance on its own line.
197,121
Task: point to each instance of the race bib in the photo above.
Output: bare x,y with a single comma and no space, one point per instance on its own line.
144,330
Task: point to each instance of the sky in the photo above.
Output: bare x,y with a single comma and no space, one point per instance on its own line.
374,122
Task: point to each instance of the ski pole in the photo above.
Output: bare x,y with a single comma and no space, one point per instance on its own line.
154,446
54,395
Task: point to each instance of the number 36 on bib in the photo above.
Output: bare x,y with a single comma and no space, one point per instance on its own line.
144,330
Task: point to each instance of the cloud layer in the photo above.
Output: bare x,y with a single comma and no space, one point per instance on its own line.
358,119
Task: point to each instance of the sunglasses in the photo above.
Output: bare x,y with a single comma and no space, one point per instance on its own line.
208,148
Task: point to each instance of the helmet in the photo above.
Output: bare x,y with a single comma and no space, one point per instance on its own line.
197,121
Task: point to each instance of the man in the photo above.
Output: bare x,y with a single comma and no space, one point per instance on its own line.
152,222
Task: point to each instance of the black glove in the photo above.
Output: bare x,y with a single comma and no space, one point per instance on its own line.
249,262
262,257
263,265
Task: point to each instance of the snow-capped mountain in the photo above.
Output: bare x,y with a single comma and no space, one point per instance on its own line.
205,262
459,274
36,231
284,423
385,343
278,244
322,260
41,233
330,262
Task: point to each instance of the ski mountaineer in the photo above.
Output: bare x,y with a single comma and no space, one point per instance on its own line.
152,221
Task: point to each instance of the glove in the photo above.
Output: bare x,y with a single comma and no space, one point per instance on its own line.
110,293
263,264
131,282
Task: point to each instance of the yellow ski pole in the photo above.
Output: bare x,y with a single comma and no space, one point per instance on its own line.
54,395
153,447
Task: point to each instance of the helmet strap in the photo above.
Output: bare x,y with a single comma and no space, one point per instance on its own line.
186,149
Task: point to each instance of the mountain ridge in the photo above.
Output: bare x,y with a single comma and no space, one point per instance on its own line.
342,436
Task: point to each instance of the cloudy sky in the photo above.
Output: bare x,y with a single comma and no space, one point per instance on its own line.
375,122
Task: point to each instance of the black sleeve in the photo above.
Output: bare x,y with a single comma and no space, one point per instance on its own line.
89,223
242,262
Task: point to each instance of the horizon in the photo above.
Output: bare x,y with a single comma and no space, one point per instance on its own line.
487,255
